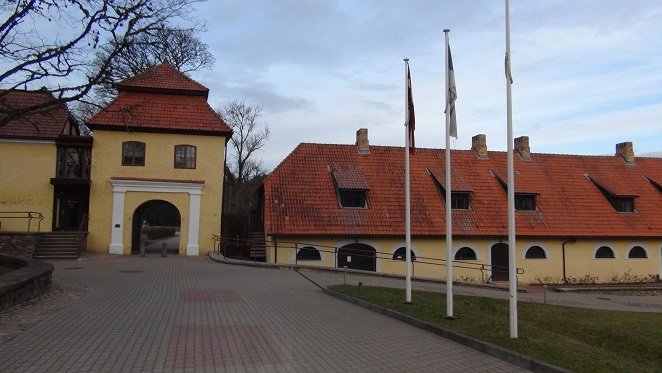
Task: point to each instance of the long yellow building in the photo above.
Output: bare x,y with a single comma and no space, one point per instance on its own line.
579,219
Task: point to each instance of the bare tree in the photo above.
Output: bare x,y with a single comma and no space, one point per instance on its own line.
178,47
247,139
51,43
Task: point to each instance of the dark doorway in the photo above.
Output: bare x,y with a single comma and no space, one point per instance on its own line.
500,262
156,223
70,207
357,256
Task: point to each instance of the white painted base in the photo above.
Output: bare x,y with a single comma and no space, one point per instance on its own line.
192,250
116,249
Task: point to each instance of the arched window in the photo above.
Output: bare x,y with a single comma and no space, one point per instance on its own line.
604,252
637,252
133,153
465,253
185,156
401,254
308,253
535,252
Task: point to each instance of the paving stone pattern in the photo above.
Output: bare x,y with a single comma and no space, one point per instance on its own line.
157,314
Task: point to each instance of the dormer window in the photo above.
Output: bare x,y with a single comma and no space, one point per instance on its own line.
459,200
352,198
620,202
525,202
351,186
459,196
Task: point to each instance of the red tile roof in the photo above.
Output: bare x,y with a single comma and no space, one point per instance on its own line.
300,197
348,177
164,103
162,78
44,125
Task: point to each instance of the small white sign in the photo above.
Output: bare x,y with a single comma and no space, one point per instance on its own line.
349,259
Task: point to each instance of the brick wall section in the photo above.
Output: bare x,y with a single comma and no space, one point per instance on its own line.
18,243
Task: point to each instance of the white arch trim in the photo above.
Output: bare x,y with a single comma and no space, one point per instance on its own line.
120,187
609,245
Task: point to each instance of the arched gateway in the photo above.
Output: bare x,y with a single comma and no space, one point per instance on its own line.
358,256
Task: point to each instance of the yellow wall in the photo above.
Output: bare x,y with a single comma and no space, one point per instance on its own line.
581,266
159,164
25,173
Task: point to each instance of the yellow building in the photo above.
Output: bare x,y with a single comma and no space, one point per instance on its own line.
579,219
158,145
44,165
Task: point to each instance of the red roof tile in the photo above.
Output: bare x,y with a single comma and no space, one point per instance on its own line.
349,177
300,197
161,99
162,78
47,124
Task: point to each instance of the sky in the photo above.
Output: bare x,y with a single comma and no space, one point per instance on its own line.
587,74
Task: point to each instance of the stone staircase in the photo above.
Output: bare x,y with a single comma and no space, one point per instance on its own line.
57,245
258,249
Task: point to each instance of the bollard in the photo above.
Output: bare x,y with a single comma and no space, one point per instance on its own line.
544,294
164,249
142,249
345,280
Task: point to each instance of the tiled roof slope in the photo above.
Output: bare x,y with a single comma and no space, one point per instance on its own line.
159,108
46,125
300,198
162,78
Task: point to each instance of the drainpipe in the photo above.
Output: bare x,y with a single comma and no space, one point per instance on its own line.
570,240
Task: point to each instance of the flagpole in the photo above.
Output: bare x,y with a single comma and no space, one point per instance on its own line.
449,215
512,280
407,190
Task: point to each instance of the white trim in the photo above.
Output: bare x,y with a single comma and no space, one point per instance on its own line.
530,245
632,246
27,141
120,187
303,245
613,250
461,245
396,247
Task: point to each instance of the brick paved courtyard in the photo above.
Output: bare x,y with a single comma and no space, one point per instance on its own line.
191,314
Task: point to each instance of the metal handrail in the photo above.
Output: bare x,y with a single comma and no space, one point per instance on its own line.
28,215
482,267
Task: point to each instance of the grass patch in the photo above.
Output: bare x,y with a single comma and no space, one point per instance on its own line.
583,340
4,269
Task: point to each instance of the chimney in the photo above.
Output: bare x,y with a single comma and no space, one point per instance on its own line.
626,151
522,147
362,141
479,146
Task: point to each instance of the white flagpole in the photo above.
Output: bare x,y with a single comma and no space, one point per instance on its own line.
407,191
449,215
511,187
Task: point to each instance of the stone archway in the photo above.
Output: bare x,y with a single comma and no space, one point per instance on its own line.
358,256
156,223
